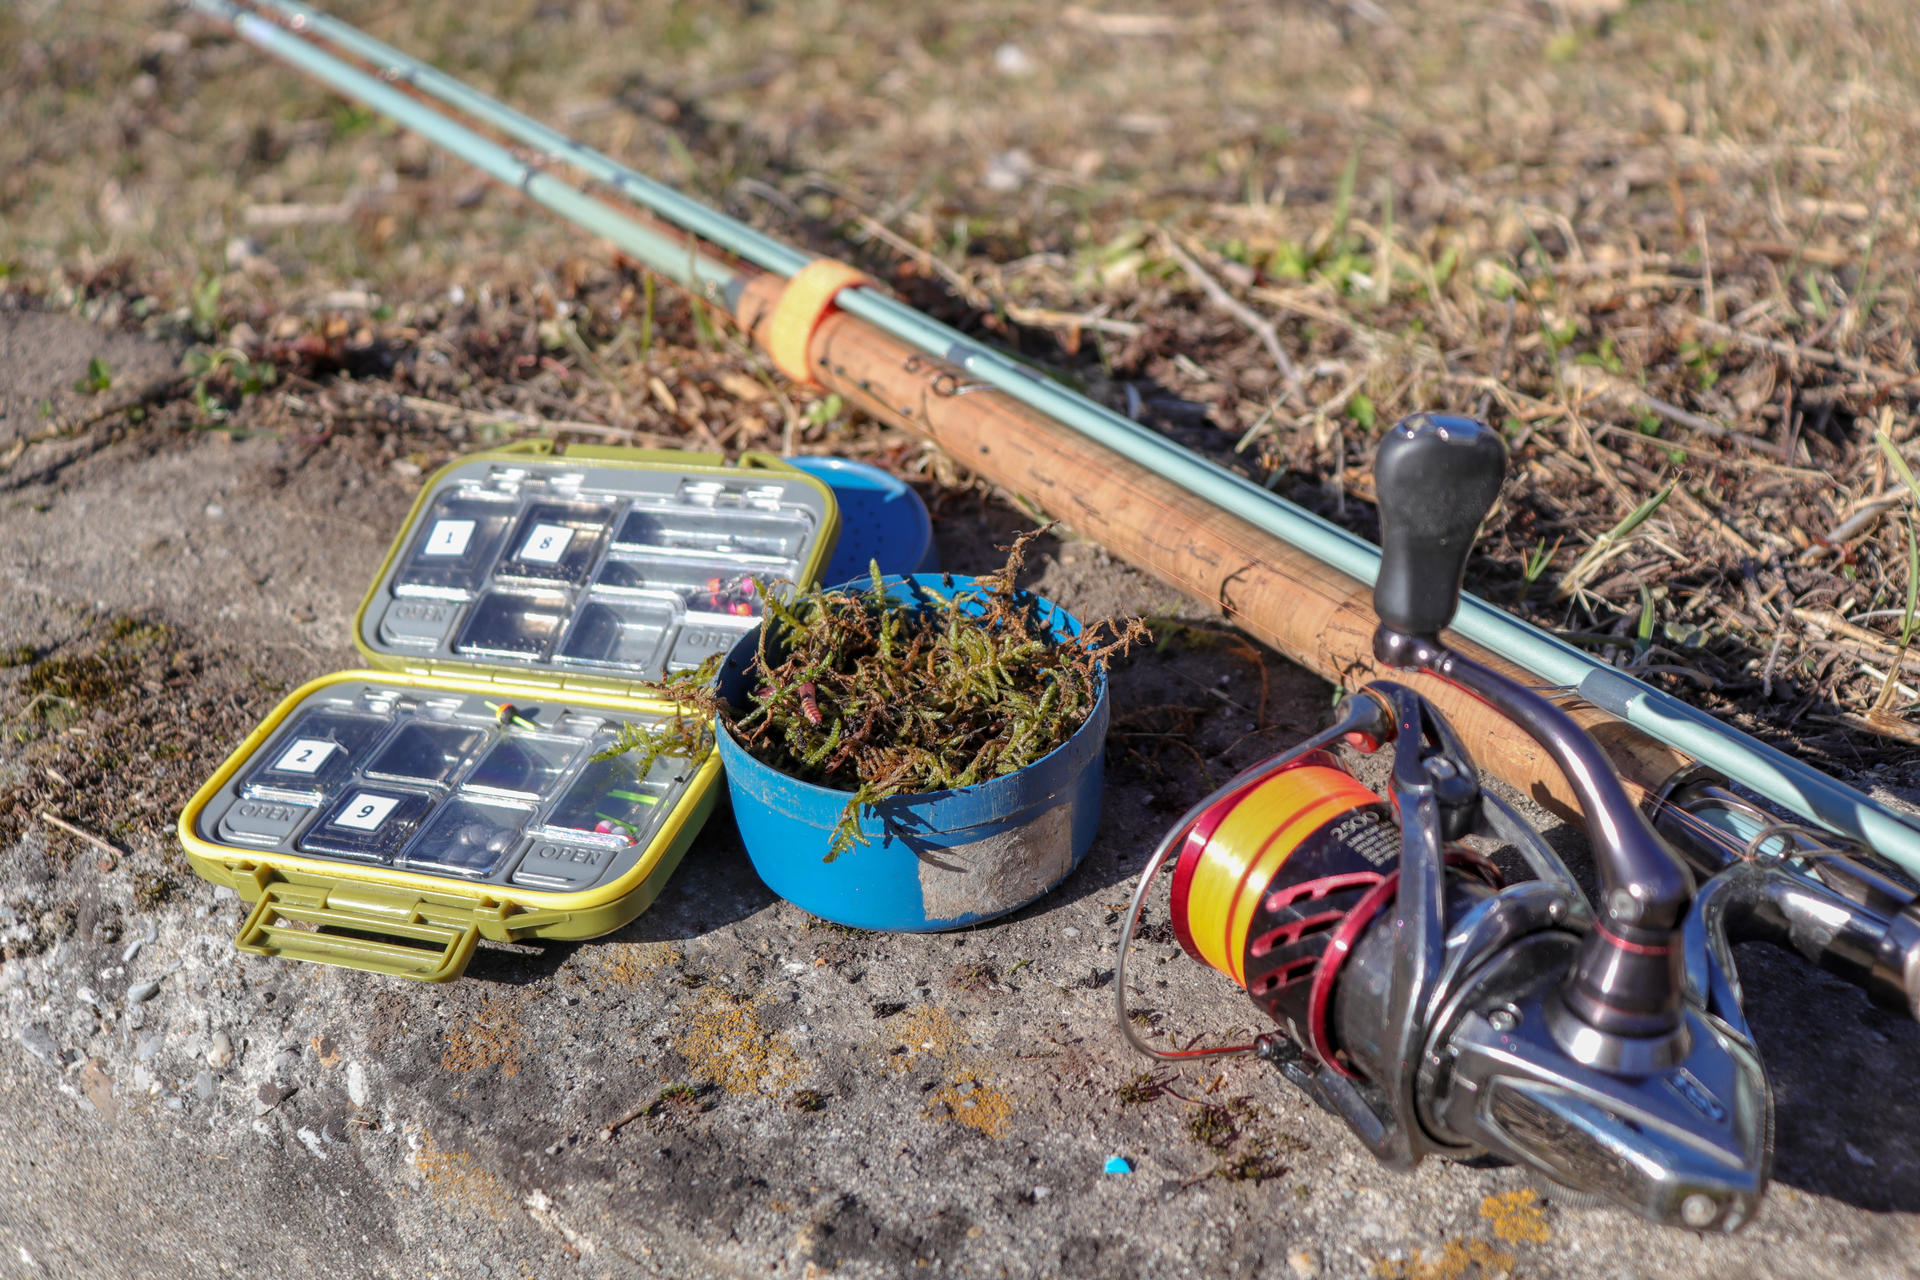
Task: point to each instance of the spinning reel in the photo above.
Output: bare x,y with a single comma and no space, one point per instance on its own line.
1439,1011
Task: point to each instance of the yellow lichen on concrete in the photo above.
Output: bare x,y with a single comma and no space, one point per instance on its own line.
965,1096
726,1044
491,1037
1517,1217
927,1029
967,1099
1459,1260
454,1178
625,964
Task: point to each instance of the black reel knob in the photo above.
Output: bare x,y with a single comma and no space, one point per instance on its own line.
1435,478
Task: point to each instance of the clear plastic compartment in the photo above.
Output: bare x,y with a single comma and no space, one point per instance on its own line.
512,624
314,756
557,541
618,633
468,837
368,822
610,803
523,765
704,587
430,751
765,535
455,546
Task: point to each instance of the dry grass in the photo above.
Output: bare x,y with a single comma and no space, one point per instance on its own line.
1660,243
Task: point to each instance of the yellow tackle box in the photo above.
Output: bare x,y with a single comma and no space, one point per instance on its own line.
389,818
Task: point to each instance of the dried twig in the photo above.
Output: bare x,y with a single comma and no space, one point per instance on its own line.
1259,325
1813,355
54,820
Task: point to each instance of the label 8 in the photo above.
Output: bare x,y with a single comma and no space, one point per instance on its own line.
449,538
306,755
365,812
546,543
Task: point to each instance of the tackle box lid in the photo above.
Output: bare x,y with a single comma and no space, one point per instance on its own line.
593,568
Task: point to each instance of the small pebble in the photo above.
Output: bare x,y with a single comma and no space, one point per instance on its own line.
1041,1193
203,1086
147,1047
1304,1263
1008,171
1069,933
1012,60
39,1042
142,992
356,1084
85,995
220,1052
133,949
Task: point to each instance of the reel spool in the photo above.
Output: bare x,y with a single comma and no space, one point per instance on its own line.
1277,879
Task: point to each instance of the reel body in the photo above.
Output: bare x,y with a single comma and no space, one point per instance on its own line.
1419,996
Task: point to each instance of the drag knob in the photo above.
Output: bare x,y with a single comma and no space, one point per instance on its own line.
1435,479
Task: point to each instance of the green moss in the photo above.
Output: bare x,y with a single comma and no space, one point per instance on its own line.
96,677
876,696
1212,1125
151,889
1143,1088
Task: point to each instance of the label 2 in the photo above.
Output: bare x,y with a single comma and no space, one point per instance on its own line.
305,755
449,538
365,812
546,543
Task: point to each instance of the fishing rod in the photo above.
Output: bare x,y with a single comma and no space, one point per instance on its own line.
1289,577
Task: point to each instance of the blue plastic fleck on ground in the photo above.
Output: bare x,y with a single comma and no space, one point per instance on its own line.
1118,1164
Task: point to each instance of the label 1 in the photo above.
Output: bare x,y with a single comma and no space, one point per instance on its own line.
306,755
546,543
449,538
365,812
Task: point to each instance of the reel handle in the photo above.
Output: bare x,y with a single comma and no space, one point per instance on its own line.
1436,478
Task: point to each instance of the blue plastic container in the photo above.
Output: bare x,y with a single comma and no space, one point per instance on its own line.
881,518
934,860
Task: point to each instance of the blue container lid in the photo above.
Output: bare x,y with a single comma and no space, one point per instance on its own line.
881,518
